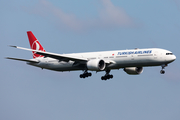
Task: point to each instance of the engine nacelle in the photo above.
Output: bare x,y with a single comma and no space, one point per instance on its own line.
96,65
133,70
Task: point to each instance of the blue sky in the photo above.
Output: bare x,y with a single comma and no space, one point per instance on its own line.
69,26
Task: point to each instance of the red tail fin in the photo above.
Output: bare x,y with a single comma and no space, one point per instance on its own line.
34,44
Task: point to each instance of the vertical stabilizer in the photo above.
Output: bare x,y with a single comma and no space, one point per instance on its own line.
34,44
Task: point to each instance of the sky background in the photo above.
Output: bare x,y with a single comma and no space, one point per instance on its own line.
72,26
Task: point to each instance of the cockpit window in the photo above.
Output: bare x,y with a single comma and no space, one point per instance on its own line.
169,53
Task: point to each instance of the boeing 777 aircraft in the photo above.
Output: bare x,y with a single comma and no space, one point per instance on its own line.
132,61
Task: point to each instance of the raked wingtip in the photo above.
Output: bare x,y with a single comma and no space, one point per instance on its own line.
13,46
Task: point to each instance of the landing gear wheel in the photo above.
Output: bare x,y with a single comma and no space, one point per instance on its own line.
85,74
89,74
107,77
163,67
111,76
103,78
162,71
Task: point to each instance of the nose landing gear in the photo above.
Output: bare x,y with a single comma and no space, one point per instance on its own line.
162,71
163,67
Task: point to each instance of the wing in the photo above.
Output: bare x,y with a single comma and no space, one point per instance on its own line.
32,61
56,56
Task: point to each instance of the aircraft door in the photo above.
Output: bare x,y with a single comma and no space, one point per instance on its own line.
162,56
156,55
134,57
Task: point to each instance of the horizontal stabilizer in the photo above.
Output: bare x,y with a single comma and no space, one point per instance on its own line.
32,60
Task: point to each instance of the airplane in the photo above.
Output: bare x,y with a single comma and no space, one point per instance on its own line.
132,61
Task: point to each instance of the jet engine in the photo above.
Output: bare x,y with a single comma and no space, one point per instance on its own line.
133,70
96,65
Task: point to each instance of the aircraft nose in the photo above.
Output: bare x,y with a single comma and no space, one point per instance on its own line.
173,57
170,58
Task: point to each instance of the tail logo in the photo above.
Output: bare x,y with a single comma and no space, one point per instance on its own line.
36,46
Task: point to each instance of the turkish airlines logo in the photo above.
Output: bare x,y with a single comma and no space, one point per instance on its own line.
37,46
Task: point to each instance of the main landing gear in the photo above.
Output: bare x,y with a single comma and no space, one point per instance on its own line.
85,74
107,75
163,67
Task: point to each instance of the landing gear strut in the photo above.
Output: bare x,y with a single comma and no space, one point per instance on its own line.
163,67
107,75
85,74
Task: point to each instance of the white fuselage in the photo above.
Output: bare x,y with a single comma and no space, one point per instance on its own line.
118,58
